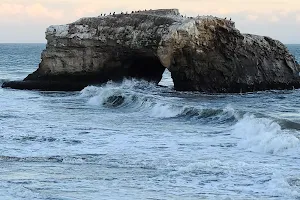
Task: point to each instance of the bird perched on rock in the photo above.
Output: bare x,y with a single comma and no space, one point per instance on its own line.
104,14
101,14
225,18
114,13
230,18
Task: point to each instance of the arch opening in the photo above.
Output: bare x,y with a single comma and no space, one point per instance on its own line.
144,67
167,80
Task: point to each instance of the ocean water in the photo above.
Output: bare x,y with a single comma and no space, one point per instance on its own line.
136,140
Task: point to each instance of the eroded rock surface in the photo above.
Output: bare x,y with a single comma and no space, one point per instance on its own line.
203,54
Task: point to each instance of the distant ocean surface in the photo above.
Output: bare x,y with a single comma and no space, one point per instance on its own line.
136,140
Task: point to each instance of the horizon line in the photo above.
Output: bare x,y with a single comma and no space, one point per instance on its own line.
46,43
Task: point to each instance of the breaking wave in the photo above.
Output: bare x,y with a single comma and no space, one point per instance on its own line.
140,96
263,135
255,134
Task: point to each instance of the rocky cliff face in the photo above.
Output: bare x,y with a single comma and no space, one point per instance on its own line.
203,54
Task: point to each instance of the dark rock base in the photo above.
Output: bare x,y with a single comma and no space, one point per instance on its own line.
77,86
45,85
237,88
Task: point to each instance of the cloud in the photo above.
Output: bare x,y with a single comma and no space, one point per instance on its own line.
37,10
26,11
11,9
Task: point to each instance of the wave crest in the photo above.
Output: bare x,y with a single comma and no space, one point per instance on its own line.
263,135
140,96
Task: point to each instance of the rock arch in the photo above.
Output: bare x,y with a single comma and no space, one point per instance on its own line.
205,54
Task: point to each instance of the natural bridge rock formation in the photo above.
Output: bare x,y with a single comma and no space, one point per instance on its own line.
203,54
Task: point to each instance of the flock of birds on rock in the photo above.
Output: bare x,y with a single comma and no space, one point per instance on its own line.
123,13
132,12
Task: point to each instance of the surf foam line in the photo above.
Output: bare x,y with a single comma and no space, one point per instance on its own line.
96,159
267,178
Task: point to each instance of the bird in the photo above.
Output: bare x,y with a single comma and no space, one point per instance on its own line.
132,12
122,13
104,14
101,14
114,13
225,18
109,13
230,18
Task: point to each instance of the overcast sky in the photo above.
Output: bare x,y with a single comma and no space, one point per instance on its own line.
27,20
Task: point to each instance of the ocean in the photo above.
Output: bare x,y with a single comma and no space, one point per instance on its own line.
137,140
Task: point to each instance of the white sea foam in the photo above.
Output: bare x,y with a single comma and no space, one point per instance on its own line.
230,111
163,110
216,165
89,91
274,182
97,95
103,95
280,185
130,93
263,135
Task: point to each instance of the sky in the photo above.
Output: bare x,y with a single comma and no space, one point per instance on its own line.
25,21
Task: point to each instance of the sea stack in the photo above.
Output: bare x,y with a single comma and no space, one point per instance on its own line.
206,54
